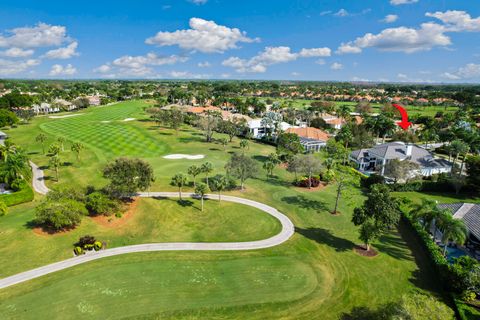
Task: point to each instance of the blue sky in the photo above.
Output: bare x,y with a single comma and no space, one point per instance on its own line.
375,40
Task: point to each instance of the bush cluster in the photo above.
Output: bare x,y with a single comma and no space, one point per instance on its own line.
304,182
23,193
86,243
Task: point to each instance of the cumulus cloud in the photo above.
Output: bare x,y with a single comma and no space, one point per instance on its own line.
17,53
401,39
204,36
42,35
270,56
59,70
336,66
341,13
63,53
457,20
399,2
199,2
390,18
470,71
11,67
137,66
187,75
409,40
205,64
320,62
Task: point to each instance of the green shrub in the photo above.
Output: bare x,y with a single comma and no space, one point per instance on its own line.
24,194
97,245
99,203
3,208
88,247
78,251
469,296
83,241
118,214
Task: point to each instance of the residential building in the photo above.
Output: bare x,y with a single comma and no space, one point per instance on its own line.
375,159
312,139
258,130
44,108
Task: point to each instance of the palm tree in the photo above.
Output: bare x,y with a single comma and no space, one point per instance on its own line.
54,149
77,147
41,138
458,147
61,141
426,211
207,168
194,171
453,230
16,167
269,166
179,180
201,190
219,184
55,162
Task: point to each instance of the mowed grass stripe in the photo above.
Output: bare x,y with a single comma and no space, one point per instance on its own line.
115,138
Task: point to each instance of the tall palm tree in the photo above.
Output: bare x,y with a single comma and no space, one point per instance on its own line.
219,184
201,189
179,180
194,171
55,162
16,167
452,229
426,211
207,168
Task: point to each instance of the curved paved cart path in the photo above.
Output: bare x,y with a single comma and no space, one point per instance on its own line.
286,232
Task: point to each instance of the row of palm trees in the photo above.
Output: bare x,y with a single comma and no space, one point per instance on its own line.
428,213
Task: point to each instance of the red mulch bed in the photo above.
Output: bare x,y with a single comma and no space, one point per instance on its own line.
313,189
112,221
360,249
42,231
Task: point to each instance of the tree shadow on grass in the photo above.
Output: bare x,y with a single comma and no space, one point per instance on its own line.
324,236
67,164
392,244
260,158
365,313
274,180
162,133
305,203
44,167
213,149
424,277
190,139
33,152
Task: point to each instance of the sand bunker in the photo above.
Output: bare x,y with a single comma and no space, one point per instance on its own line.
129,119
65,116
184,156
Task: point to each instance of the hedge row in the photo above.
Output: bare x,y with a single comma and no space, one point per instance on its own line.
25,194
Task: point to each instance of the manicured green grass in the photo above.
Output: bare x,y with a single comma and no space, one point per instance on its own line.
322,244
440,198
154,220
412,109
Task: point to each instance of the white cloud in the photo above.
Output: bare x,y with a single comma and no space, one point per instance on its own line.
137,66
270,56
315,52
457,20
59,70
470,71
10,67
205,64
402,76
134,62
42,35
399,2
198,2
296,74
390,18
63,53
103,68
336,66
401,39
188,75
204,36
341,13
17,53
320,62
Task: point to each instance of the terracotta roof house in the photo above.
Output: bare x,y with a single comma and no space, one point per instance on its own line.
199,110
375,159
312,139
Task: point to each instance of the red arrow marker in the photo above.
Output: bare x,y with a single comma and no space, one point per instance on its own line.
404,124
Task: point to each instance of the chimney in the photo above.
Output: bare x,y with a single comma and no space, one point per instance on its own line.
409,150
